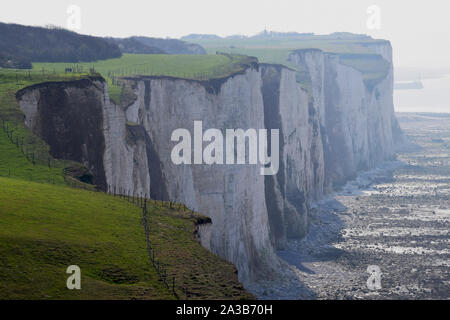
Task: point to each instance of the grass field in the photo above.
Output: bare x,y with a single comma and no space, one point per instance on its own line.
199,67
277,51
14,164
45,228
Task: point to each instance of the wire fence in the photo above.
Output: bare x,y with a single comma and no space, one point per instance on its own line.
44,74
236,63
139,199
142,200
30,146
72,72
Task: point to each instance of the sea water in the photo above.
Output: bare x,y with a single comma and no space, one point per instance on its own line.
434,97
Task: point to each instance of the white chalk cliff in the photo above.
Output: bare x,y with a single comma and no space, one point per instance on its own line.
340,125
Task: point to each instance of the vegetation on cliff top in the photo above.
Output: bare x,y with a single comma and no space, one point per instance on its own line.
197,67
20,45
354,50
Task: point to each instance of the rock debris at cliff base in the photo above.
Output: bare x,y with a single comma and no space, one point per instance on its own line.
396,217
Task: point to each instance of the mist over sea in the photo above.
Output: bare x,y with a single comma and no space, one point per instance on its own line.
434,97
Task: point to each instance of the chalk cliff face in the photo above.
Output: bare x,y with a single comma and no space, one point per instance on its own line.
232,195
358,124
126,159
300,178
329,129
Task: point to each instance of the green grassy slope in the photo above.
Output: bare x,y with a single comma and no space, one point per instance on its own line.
14,164
45,228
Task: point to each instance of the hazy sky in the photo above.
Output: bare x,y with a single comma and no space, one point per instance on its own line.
418,29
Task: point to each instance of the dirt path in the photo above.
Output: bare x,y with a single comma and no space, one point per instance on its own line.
396,218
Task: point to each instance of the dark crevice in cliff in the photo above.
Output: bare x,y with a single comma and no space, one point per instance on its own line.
295,209
316,147
271,76
147,94
135,133
158,188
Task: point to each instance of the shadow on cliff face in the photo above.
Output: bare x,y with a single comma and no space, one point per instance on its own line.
69,118
323,230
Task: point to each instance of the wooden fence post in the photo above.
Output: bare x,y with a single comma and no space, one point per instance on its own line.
173,285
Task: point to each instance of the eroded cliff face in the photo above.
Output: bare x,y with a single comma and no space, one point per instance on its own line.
358,124
126,159
329,129
339,125
69,117
232,195
300,179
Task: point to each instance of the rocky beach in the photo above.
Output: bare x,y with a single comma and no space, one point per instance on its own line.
396,217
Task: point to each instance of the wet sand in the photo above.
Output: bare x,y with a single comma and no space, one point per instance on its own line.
396,217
